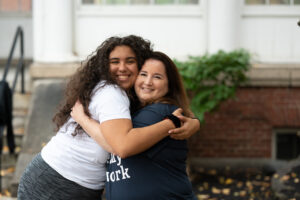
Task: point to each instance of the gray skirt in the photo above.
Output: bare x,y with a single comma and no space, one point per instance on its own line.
40,182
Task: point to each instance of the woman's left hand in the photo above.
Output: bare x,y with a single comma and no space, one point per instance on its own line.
78,114
188,128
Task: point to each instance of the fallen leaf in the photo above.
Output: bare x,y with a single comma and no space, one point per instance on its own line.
215,190
200,188
7,193
285,178
236,194
19,130
258,177
221,180
275,176
228,181
206,185
240,184
7,171
243,193
5,149
18,149
256,183
212,172
226,191
249,184
202,196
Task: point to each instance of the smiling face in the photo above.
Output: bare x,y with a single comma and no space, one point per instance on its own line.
123,66
152,81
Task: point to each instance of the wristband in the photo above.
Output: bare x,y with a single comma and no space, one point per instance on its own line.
174,119
196,118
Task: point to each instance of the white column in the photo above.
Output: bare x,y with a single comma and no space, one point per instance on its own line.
52,31
223,24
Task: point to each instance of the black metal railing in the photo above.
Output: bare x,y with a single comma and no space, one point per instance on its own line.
21,64
6,94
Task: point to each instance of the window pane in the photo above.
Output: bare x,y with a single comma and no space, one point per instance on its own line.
115,1
297,2
140,2
188,1
280,2
255,2
87,1
288,146
164,1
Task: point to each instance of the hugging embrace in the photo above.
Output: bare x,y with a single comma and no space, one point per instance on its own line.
120,128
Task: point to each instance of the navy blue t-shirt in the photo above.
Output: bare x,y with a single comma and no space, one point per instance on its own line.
156,174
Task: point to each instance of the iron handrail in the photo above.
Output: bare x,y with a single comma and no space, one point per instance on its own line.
21,65
20,68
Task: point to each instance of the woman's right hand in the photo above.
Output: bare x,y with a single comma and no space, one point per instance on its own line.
189,126
77,113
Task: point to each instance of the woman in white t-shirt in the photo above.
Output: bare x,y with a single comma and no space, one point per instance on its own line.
72,164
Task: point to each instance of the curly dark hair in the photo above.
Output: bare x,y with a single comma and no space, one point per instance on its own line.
95,69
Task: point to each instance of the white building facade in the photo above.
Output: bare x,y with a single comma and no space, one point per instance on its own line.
62,31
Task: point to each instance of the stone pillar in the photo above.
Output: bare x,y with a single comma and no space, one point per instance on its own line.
223,24
53,31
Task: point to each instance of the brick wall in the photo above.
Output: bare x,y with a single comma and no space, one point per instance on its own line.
15,5
242,127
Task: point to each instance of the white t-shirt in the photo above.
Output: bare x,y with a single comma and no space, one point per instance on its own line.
79,158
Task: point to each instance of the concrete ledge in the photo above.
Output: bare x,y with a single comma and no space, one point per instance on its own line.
269,77
274,75
52,70
260,75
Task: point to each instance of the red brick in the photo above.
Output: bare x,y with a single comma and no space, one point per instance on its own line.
243,127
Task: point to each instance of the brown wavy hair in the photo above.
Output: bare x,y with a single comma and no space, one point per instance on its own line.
176,94
95,69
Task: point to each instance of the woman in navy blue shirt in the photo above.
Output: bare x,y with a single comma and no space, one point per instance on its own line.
160,171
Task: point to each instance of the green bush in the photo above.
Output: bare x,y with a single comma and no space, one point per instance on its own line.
211,79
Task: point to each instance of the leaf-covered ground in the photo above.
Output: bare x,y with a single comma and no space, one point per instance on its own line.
231,184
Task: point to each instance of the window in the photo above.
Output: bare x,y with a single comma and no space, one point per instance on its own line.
287,145
15,6
146,8
272,2
142,2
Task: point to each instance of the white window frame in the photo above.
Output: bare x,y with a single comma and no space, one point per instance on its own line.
195,10
270,10
269,4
